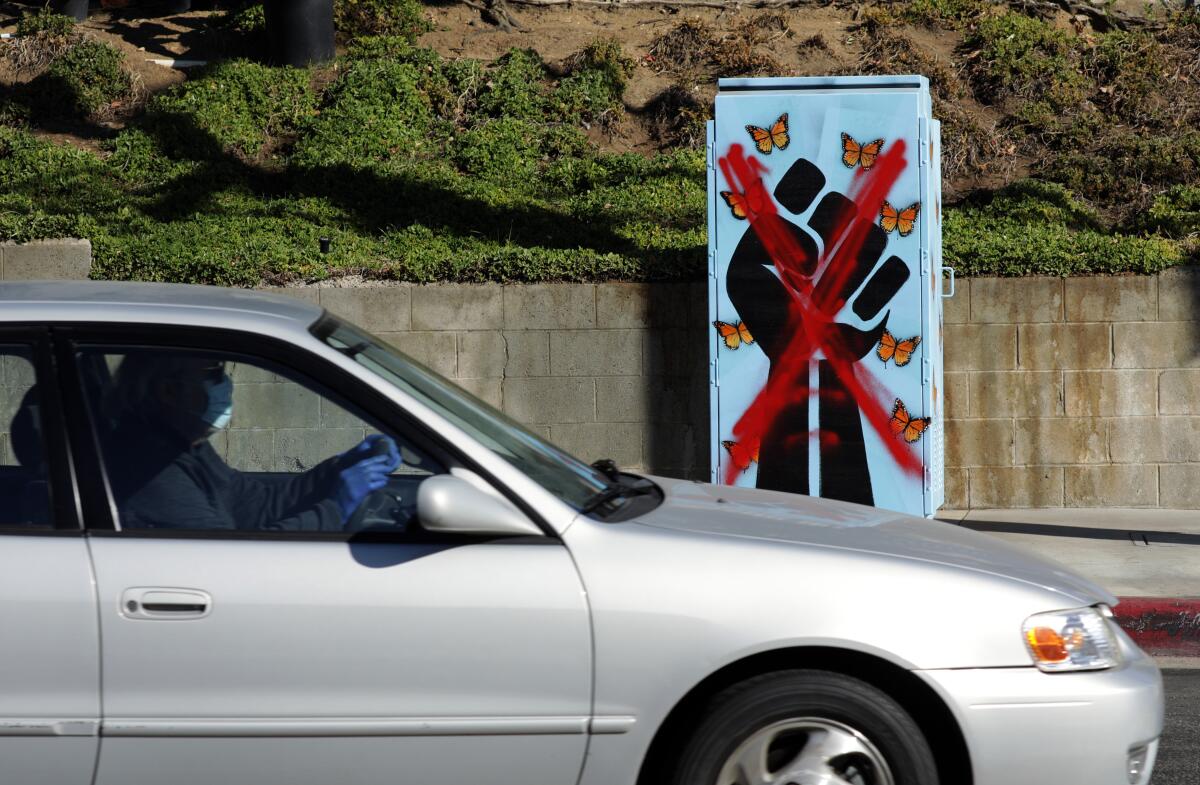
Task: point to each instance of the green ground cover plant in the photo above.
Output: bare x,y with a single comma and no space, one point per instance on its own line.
423,168
415,167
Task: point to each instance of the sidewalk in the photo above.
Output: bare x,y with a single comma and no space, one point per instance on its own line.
1148,558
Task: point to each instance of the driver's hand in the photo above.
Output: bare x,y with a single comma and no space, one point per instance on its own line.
359,479
375,445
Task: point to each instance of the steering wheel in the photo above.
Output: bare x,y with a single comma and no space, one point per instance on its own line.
387,509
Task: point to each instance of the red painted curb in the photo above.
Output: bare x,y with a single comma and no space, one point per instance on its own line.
1163,626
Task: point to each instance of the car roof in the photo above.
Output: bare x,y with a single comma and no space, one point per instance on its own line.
151,303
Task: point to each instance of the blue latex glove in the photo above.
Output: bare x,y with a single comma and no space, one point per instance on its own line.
357,480
374,445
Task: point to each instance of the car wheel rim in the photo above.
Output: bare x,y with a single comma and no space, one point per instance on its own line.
806,751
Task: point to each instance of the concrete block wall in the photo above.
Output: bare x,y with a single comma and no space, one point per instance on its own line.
1077,392
1059,392
45,260
603,370
280,426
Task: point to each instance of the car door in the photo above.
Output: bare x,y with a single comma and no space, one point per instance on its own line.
279,650
50,682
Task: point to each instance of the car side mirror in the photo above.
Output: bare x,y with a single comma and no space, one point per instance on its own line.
451,505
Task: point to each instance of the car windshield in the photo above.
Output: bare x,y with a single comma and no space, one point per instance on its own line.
568,478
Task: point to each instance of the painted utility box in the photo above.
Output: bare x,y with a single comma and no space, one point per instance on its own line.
825,289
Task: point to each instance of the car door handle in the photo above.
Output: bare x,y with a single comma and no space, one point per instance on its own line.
154,602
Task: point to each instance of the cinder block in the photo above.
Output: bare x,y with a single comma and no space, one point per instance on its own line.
1076,345
596,352
1179,294
1016,393
957,394
457,306
1020,486
17,372
957,309
641,305
699,399
956,487
1156,345
380,309
1154,439
334,416
980,347
550,399
1011,300
1118,485
1179,486
669,352
642,399
527,353
549,306
250,451
482,354
275,405
675,449
1178,392
979,442
592,441
436,350
309,294
1059,440
487,390
1110,393
697,304
46,260
10,399
245,373
1117,298
300,449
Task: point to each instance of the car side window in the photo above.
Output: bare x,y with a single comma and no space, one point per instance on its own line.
24,490
215,442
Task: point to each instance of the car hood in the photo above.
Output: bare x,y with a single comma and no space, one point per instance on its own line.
768,515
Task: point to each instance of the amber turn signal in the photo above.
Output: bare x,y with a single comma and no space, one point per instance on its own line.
1046,645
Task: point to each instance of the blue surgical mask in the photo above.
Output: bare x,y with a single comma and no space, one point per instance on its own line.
220,402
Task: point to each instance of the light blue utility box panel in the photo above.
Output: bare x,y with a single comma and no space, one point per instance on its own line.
826,288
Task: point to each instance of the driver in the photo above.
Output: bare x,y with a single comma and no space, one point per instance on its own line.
166,475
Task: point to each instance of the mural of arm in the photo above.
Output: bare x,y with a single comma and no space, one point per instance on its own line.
770,310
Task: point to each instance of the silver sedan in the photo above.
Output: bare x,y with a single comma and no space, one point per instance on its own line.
247,542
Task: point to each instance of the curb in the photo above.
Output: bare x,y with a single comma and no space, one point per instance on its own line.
1162,626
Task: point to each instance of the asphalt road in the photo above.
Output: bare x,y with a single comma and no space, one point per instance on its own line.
1179,755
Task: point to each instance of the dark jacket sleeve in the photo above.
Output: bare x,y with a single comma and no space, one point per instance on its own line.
300,503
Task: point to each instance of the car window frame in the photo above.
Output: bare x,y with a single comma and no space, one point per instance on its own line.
322,377
61,474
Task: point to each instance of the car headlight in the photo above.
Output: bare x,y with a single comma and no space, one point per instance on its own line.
1073,640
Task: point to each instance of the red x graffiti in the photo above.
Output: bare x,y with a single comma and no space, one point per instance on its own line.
811,312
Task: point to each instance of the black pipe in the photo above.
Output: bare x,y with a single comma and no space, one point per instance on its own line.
299,32
76,9
177,6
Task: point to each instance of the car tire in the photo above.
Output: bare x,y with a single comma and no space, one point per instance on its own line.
793,727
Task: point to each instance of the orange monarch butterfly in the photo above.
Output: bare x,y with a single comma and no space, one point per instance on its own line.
742,455
777,136
743,205
905,220
903,423
902,351
734,335
854,154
